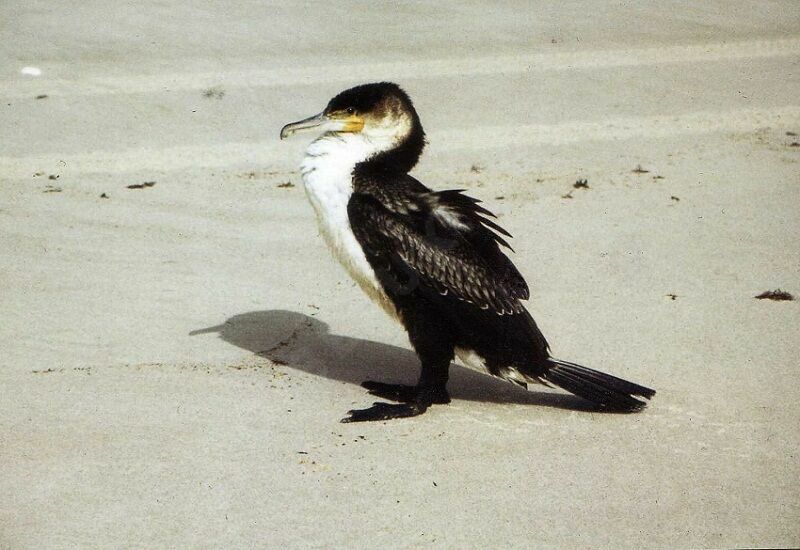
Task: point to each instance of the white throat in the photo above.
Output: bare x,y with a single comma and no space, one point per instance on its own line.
327,171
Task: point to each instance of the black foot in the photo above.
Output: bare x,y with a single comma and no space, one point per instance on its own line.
383,411
402,393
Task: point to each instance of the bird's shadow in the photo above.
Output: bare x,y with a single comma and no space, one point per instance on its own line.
303,342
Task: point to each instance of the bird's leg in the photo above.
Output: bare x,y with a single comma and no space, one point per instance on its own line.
432,338
413,400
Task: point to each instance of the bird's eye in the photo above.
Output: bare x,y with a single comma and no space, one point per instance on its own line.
350,111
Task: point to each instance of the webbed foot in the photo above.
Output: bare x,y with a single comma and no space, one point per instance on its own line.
383,411
403,393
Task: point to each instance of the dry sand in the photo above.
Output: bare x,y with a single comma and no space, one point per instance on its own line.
175,358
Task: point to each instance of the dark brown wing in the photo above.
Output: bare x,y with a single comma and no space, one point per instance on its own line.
443,241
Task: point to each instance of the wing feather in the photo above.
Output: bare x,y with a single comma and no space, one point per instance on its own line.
445,240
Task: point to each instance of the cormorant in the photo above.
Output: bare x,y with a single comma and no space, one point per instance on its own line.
431,259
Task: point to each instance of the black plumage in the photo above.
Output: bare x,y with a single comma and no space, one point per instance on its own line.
407,240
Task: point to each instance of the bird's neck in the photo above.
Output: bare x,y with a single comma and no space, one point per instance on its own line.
401,157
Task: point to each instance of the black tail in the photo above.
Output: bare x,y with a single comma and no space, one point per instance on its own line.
607,391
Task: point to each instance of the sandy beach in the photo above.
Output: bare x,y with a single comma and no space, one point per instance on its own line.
178,345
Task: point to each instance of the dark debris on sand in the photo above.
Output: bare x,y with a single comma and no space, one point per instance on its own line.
777,295
143,185
582,183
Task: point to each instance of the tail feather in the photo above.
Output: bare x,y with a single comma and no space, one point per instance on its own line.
607,391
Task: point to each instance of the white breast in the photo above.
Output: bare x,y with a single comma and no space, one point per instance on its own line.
327,176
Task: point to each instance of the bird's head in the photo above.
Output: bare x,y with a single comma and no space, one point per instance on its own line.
381,113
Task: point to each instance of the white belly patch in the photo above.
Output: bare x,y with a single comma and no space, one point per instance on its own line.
472,360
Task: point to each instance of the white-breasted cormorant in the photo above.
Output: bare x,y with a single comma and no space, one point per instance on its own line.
431,259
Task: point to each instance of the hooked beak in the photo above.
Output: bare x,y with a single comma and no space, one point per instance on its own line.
321,121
